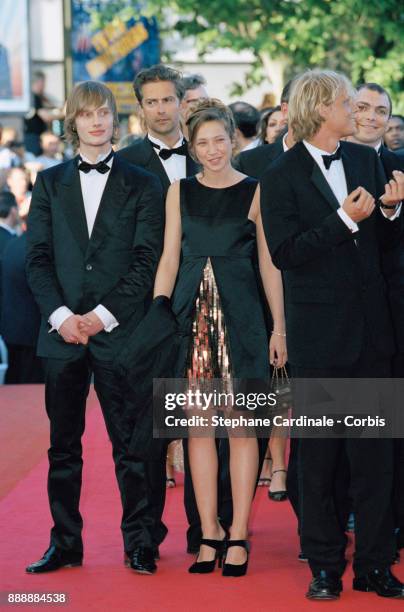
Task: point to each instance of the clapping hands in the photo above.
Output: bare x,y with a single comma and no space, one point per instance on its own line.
394,191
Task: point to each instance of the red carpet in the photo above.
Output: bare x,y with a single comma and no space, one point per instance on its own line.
276,581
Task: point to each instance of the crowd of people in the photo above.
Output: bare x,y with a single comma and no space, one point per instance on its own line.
216,242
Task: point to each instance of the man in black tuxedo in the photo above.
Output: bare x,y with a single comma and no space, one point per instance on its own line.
164,152
255,163
93,243
373,113
325,232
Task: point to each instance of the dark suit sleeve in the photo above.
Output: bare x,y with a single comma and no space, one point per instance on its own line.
40,265
289,244
389,232
135,286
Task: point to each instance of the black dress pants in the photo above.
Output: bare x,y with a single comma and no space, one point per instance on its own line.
156,474
323,538
342,500
398,493
67,387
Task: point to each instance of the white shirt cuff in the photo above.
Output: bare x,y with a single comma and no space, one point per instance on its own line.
347,220
398,210
106,317
58,317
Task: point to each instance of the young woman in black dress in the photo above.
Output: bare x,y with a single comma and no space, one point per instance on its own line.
213,231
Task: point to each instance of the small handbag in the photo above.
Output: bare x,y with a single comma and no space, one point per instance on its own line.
282,387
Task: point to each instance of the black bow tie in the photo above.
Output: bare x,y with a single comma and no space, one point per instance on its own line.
166,153
328,159
102,166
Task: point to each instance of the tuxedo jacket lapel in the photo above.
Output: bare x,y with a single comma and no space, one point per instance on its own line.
350,164
71,201
320,182
390,162
112,200
316,176
154,165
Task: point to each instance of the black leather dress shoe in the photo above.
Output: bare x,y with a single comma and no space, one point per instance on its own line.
324,586
382,582
54,559
141,560
156,556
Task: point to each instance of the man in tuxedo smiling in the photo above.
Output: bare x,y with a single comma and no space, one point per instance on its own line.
94,238
325,233
372,116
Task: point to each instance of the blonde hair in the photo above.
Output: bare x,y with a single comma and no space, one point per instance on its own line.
309,91
89,94
209,109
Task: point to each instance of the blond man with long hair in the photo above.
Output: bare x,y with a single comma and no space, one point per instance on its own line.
93,241
327,214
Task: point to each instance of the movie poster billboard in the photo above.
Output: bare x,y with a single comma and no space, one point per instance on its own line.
111,42
14,57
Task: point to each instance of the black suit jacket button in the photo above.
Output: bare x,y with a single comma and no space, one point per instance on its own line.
89,267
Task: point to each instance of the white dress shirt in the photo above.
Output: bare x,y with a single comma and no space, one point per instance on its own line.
176,165
335,177
92,187
251,145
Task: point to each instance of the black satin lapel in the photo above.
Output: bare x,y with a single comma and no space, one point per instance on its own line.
390,162
320,182
153,164
349,164
112,200
71,200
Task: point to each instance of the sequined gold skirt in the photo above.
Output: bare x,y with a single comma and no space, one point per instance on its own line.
209,354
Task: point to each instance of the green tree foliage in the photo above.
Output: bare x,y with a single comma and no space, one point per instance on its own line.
363,38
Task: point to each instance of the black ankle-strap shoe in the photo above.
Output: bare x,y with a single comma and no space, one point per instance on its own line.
232,569
207,567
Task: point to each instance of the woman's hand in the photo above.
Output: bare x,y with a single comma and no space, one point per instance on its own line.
278,354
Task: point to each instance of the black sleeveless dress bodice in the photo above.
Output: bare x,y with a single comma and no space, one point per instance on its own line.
217,286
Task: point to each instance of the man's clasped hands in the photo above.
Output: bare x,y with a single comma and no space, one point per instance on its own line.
77,329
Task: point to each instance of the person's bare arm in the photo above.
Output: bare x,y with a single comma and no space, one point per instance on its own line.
169,262
273,286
